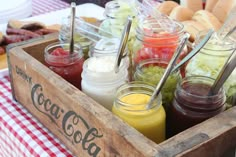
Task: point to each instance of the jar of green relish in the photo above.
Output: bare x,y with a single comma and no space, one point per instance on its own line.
151,71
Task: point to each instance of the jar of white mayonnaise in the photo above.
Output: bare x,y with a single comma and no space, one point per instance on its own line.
100,81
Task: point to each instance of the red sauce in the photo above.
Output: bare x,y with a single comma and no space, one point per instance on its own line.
157,47
192,106
66,65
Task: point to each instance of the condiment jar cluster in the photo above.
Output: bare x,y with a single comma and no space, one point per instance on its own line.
184,100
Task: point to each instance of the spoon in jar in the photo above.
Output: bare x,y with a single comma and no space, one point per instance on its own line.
72,26
195,50
229,33
123,42
224,74
167,71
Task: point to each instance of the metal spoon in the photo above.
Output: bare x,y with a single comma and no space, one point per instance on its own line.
167,71
72,26
195,50
224,74
123,42
230,32
228,27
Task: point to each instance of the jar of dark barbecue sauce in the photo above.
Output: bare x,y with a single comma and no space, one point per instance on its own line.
192,103
67,65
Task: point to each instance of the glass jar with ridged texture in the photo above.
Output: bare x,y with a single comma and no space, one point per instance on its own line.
154,41
69,65
100,81
131,105
151,70
193,104
64,34
209,62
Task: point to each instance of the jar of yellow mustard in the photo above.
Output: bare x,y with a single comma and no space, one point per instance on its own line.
131,106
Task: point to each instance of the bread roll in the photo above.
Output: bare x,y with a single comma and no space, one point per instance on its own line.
223,8
54,27
207,19
167,6
1,37
3,61
181,13
193,28
210,4
194,5
28,25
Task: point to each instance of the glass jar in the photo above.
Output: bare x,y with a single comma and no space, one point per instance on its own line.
110,47
64,34
99,80
116,13
105,47
193,104
131,106
69,66
210,60
151,71
153,41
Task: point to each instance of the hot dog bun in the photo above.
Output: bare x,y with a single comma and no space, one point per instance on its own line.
207,19
167,6
223,8
193,28
181,13
194,5
3,61
28,25
54,27
210,4
1,37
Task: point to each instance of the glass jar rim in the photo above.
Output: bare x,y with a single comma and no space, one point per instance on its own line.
215,45
138,84
213,52
85,65
78,49
51,59
153,21
201,79
111,9
100,51
139,67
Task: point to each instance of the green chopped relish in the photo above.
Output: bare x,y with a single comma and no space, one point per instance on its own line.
152,75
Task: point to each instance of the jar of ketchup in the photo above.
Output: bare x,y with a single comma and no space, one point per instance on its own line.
67,65
154,41
193,104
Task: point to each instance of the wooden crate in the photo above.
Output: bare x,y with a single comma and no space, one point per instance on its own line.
88,129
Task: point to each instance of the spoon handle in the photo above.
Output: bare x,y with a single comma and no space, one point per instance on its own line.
72,27
195,50
230,32
228,25
123,41
224,73
167,71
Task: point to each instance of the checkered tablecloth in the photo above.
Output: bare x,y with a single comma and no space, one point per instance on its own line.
46,6
21,135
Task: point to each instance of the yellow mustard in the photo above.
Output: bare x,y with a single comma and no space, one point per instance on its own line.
150,122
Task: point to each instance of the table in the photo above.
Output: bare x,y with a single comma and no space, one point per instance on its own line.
45,6
21,134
